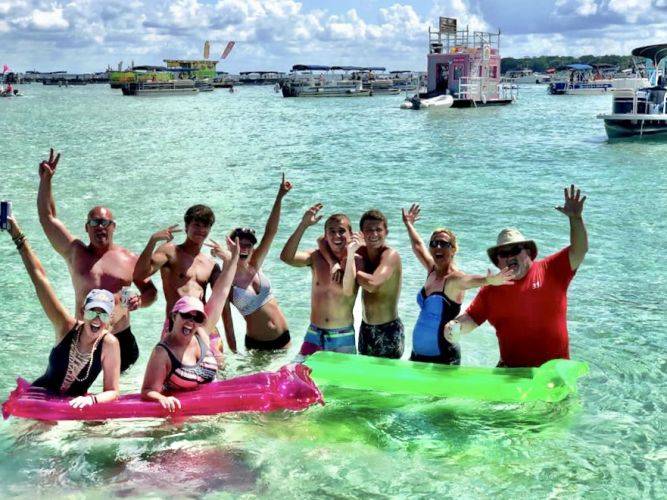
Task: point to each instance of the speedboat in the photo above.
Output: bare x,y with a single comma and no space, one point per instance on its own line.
643,111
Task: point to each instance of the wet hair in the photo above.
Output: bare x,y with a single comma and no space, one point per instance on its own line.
200,213
341,219
448,232
373,215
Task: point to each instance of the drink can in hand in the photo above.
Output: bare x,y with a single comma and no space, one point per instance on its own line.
5,214
126,293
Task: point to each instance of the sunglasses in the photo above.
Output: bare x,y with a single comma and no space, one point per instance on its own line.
510,252
90,315
439,244
196,317
244,230
100,222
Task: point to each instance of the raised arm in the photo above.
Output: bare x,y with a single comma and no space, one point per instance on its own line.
149,261
56,232
60,318
573,207
389,262
350,273
418,246
271,228
290,254
220,291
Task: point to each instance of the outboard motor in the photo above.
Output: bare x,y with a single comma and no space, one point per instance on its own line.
416,101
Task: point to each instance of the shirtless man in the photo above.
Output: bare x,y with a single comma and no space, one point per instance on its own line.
98,264
331,303
185,270
381,332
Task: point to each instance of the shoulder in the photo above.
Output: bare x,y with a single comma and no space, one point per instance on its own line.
390,255
110,340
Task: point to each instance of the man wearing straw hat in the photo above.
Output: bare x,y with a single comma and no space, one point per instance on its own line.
530,317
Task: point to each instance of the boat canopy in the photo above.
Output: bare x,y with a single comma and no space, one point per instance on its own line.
309,67
260,72
151,68
579,67
653,52
399,72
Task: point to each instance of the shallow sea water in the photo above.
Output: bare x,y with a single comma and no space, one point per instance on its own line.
475,171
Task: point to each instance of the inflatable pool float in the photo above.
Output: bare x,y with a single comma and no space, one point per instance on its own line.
551,382
290,388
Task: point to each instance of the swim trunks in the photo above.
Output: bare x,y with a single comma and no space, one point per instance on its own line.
268,345
384,341
328,339
129,350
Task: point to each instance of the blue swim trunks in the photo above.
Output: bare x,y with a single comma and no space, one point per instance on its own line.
328,339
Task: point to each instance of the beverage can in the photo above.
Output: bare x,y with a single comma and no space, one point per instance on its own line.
5,214
126,293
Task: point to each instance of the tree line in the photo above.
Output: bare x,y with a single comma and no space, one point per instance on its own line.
542,63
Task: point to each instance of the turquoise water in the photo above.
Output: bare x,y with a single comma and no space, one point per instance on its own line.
475,171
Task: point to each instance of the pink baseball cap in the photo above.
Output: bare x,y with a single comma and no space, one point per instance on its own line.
188,304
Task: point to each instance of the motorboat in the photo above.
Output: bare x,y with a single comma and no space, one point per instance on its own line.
321,81
641,112
463,70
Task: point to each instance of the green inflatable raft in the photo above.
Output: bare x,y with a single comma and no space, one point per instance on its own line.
551,382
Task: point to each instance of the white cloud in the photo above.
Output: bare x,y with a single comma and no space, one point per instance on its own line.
47,19
631,9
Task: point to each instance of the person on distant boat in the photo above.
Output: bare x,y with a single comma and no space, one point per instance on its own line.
331,319
441,296
83,347
381,333
100,264
266,326
183,360
530,317
185,269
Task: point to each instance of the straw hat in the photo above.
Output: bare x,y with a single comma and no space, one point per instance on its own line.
511,236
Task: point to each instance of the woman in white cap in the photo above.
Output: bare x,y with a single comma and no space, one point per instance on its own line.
183,360
83,348
442,294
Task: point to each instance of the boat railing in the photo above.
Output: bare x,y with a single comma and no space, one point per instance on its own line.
477,88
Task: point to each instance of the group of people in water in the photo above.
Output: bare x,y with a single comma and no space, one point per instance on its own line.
525,300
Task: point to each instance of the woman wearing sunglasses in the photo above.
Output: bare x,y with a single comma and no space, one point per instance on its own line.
83,348
441,296
183,360
266,326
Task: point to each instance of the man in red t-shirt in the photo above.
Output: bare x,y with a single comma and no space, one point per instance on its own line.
530,316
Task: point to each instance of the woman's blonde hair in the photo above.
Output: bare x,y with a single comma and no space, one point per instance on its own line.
448,232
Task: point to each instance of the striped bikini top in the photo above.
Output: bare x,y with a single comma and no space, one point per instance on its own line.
247,301
186,377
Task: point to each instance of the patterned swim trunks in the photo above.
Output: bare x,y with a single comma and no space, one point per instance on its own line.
385,341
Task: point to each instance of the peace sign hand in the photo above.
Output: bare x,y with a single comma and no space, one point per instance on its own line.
310,217
48,167
574,203
285,187
217,250
412,215
166,234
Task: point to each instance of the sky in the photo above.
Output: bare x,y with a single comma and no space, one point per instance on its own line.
88,35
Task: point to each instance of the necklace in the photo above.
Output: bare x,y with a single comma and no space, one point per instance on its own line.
77,360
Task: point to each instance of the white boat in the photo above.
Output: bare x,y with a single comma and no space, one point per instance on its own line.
641,112
320,81
437,102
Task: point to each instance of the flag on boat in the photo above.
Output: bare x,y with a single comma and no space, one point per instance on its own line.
207,49
5,68
228,49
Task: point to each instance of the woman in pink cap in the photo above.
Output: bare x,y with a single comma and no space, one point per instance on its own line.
183,360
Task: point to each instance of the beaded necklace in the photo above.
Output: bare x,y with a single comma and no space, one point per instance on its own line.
77,360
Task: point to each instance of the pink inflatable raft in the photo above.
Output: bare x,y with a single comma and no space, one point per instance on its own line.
290,388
